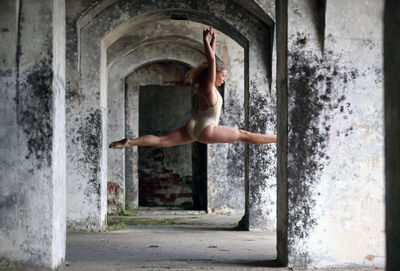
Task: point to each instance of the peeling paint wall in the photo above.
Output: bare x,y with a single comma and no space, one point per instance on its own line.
32,135
335,134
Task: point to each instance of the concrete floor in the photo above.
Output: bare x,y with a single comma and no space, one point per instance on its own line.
173,241
194,241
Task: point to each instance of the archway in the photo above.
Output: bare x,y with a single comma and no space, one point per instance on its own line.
107,26
186,48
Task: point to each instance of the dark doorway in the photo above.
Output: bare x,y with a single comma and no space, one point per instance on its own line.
174,176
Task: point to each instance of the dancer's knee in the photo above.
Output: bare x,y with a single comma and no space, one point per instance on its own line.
163,142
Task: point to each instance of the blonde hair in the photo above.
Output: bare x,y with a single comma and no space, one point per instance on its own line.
199,73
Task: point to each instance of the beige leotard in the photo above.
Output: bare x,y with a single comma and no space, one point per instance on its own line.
203,118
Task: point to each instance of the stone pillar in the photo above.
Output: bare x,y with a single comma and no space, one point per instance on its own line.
32,132
87,133
335,156
282,130
131,154
392,133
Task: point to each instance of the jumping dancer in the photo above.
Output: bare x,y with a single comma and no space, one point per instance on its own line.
203,126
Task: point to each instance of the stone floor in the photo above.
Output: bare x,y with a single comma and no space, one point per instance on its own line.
173,241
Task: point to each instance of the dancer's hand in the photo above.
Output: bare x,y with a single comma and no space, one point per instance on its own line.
206,31
212,32
209,48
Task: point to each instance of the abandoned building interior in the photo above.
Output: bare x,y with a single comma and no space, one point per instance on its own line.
320,74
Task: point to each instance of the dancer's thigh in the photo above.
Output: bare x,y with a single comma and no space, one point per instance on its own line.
220,134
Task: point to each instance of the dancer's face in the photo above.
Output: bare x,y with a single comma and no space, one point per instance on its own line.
220,78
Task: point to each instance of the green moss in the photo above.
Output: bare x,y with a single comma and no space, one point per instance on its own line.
5,263
155,267
81,227
150,221
129,212
116,227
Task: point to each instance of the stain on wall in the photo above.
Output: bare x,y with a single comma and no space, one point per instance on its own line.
90,138
317,93
34,111
334,155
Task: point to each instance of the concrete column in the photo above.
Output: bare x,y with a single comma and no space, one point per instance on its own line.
131,154
261,185
392,133
87,133
335,134
32,132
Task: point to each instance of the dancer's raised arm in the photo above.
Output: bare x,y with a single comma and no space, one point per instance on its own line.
208,87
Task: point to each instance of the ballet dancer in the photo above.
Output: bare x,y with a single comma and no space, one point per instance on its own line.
203,126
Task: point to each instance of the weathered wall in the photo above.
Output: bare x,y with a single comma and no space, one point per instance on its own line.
85,126
392,129
335,134
32,135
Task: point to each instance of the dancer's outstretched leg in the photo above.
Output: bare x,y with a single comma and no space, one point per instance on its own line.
178,137
226,134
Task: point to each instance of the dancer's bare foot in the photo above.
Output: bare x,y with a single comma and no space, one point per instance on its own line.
119,144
